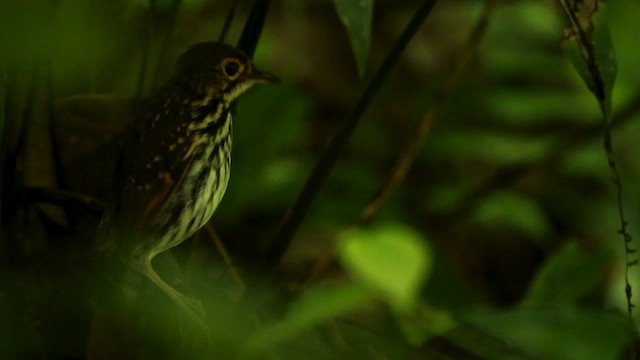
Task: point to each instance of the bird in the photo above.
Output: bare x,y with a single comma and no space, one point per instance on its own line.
175,161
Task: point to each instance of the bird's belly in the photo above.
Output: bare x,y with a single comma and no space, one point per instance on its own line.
193,203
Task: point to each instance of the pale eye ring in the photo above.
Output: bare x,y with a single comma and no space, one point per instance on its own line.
232,69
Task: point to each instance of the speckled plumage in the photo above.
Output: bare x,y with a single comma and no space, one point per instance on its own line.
176,162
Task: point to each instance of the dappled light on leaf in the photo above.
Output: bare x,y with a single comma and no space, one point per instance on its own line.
391,258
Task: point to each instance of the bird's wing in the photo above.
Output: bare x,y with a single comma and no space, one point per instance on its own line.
156,160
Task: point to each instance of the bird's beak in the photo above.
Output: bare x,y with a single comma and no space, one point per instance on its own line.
263,77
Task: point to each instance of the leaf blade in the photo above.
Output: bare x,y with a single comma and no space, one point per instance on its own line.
392,259
357,16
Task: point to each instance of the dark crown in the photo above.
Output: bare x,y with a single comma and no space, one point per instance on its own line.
218,70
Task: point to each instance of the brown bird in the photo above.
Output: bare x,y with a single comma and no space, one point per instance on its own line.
175,164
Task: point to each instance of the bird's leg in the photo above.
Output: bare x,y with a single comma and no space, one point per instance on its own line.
192,307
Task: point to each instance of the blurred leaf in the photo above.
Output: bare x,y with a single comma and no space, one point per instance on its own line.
510,208
589,47
559,334
424,323
392,259
518,106
356,15
568,276
573,50
487,146
313,308
626,14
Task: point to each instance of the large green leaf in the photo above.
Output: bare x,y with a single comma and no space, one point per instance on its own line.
559,334
314,307
568,275
356,16
392,259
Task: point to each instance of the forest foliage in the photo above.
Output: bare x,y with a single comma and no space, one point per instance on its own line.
428,181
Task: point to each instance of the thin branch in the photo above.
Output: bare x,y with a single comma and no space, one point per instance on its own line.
253,27
587,45
19,111
405,161
298,210
64,198
586,41
228,20
217,241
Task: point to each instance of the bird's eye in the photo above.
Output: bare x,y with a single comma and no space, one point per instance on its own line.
231,69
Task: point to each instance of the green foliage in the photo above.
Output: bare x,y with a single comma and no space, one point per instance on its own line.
513,210
590,50
389,262
264,181
568,276
315,307
557,333
498,245
391,259
425,322
356,16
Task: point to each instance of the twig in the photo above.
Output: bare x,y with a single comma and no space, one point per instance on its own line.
217,241
587,43
298,210
253,27
19,112
228,20
405,161
64,198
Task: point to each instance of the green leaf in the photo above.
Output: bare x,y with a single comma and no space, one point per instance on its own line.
356,15
514,210
313,308
568,275
425,322
392,259
591,52
572,50
559,334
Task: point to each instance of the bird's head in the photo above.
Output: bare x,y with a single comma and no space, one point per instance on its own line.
216,70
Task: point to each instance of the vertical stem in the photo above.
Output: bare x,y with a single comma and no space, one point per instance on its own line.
253,27
144,64
298,210
228,20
